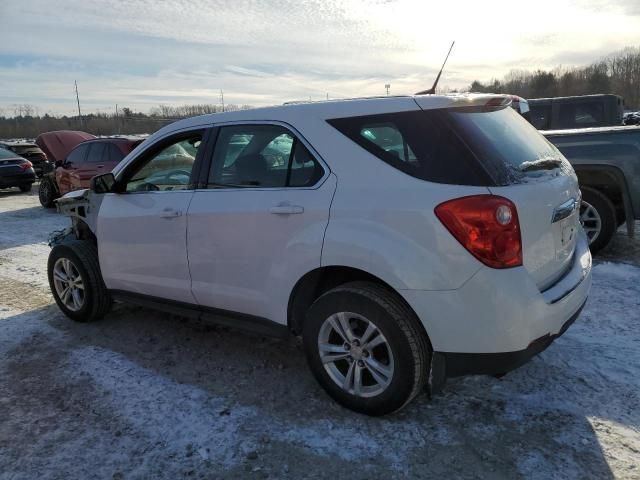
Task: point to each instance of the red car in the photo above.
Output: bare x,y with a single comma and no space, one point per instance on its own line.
84,160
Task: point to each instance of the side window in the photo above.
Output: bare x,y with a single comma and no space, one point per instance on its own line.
387,136
305,170
168,168
96,151
586,114
112,154
77,155
266,156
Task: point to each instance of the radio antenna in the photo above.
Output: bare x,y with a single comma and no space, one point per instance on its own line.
432,90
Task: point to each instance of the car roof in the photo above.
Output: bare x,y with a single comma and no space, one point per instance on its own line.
114,140
11,143
328,109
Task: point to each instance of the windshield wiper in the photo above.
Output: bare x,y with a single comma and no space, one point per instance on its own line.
541,164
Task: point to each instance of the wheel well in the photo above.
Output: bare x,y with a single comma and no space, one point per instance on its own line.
82,231
319,281
606,183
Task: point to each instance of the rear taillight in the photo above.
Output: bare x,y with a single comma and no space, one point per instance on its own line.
487,226
26,165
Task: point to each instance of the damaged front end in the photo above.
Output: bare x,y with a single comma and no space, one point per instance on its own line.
82,207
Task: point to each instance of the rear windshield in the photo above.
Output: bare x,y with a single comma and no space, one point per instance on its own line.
455,146
26,149
5,154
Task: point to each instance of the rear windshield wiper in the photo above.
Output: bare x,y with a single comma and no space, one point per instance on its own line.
541,164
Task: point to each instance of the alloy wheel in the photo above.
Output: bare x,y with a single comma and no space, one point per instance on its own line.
590,220
355,354
68,284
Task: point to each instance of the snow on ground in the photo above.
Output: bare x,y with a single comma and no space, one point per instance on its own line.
148,395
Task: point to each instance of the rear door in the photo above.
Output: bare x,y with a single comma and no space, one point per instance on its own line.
92,166
142,230
258,224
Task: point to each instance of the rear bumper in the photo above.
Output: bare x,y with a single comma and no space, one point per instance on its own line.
17,179
456,364
500,316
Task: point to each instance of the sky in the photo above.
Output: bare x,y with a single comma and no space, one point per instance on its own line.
143,53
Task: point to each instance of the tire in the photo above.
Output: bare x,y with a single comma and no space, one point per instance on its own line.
79,259
404,351
47,193
25,188
598,217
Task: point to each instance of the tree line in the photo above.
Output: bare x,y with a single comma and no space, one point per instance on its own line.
618,73
27,123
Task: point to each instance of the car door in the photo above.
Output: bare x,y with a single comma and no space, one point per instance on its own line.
92,166
142,230
66,174
257,225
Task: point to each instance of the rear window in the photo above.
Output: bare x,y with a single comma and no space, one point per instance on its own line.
5,154
580,115
454,146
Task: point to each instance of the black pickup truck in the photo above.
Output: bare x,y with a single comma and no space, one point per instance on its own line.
607,162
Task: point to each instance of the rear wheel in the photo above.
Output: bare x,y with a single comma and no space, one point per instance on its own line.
366,348
46,193
76,282
598,218
25,188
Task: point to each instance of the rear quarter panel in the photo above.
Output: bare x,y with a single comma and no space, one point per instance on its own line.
382,221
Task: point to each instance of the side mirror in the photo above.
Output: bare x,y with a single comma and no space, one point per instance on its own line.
102,183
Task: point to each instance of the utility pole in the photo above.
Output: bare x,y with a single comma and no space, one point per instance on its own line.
387,87
78,100
222,99
117,119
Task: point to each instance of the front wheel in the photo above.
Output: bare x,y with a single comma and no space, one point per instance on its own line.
76,282
366,348
46,193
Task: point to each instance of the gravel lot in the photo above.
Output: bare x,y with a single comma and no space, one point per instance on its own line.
143,394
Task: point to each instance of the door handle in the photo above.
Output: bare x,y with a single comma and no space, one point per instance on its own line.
286,209
170,213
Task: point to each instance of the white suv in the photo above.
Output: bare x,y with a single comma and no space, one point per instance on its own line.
407,239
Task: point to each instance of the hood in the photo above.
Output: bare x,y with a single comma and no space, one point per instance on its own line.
57,145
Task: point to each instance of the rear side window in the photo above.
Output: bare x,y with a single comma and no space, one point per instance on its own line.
454,146
420,143
112,153
96,152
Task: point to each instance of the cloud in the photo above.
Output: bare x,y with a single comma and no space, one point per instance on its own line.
143,52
